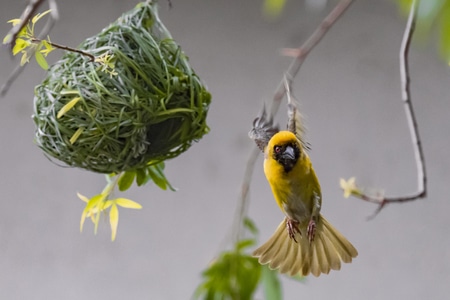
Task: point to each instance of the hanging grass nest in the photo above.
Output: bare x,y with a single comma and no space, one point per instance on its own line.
140,105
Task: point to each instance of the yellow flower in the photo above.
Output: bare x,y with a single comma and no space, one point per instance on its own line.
20,46
349,187
98,203
107,62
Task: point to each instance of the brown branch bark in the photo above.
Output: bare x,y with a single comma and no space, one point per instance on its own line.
67,48
412,122
302,52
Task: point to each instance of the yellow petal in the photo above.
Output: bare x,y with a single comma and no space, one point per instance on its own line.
76,135
83,198
7,39
68,106
14,22
343,183
19,46
83,218
88,209
25,58
39,16
348,186
47,47
107,204
127,203
114,220
352,181
84,214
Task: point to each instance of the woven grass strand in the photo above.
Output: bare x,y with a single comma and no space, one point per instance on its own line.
152,110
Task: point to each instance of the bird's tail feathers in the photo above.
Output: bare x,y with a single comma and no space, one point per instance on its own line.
325,253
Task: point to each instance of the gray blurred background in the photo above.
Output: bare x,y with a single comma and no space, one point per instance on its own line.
349,91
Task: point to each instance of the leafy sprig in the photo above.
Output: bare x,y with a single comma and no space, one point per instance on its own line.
100,203
28,44
236,274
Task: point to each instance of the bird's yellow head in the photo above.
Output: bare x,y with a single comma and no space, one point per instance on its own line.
285,148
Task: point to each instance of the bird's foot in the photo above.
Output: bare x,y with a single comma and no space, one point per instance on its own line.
311,230
292,228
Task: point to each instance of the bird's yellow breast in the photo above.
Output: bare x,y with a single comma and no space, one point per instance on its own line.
294,191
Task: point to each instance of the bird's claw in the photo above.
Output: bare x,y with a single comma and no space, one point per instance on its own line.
311,230
292,228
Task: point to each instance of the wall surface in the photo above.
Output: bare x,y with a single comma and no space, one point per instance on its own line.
349,91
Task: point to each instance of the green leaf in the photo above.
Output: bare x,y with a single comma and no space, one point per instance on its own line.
41,60
271,284
242,244
232,276
444,45
141,177
249,277
156,172
126,180
273,8
157,177
68,106
250,225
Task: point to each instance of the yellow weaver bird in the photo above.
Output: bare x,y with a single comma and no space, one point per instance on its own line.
305,242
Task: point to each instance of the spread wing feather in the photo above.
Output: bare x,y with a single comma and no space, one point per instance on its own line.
263,130
295,124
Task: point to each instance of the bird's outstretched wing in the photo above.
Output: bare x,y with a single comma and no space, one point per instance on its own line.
263,130
295,124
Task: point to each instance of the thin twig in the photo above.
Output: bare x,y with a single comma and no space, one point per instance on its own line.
241,210
300,55
302,52
10,80
412,123
67,48
25,19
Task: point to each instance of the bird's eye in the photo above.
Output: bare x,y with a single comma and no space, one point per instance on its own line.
277,149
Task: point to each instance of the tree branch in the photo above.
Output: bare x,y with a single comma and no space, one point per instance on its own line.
412,123
302,52
300,55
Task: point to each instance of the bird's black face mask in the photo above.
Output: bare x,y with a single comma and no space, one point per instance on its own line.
287,156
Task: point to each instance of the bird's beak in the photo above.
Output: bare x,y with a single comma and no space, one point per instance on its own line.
289,153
